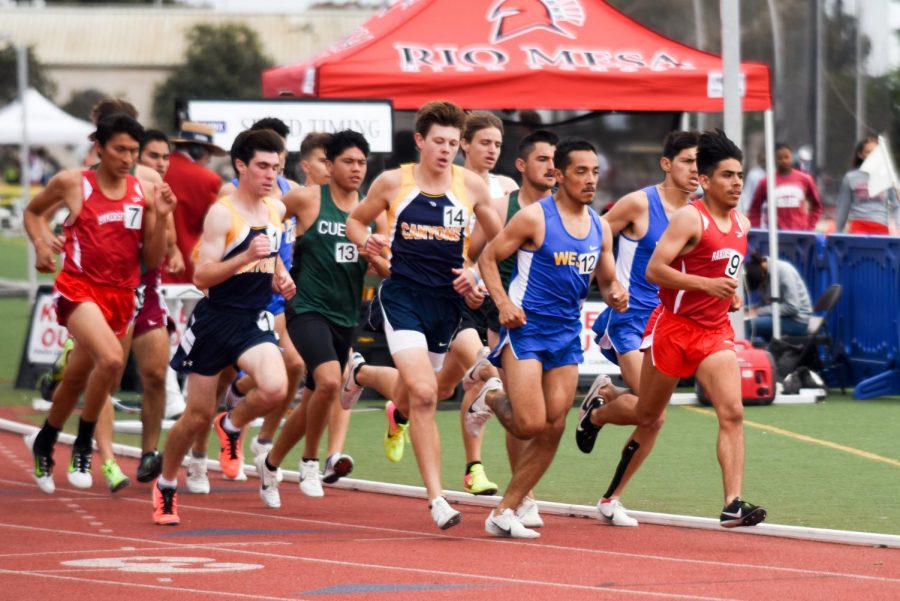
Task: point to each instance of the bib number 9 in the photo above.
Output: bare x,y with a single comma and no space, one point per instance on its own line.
455,217
346,252
733,267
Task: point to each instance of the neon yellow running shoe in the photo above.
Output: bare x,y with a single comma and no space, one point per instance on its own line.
477,483
395,437
114,476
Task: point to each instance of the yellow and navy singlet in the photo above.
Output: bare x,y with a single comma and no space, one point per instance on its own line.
429,235
251,287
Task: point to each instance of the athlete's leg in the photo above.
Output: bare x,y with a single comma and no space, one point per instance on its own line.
264,364
294,366
104,431
720,377
528,416
338,425
151,352
463,353
630,366
380,378
193,423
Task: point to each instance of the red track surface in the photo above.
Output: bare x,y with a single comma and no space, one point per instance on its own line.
353,545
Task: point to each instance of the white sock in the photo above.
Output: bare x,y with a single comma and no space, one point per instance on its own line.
228,426
163,483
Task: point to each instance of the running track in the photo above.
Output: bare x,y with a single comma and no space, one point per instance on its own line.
355,545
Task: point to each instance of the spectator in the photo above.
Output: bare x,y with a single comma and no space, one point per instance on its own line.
795,307
866,214
796,196
195,186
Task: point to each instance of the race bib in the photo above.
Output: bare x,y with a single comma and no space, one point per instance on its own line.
290,231
266,321
134,216
733,267
587,262
346,252
455,217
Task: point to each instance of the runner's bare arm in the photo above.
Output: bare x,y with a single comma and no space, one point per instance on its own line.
381,265
376,202
626,210
211,268
160,202
612,290
303,203
64,187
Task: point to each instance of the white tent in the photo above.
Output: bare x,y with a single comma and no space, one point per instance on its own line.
47,123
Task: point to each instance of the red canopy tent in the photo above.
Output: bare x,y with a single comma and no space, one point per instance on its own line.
516,54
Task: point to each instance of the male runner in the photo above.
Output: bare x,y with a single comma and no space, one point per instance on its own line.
560,244
325,310
237,263
639,219
429,205
696,264
113,222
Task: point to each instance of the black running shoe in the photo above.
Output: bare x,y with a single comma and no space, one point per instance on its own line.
741,513
586,432
150,466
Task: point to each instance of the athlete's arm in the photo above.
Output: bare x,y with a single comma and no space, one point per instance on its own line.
612,291
625,212
381,265
64,187
680,236
488,221
210,268
508,184
375,203
160,202
226,189
282,283
523,230
173,253
302,203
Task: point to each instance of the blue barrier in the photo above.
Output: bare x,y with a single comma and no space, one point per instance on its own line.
865,325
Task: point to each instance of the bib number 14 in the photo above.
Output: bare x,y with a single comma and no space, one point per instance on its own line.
455,217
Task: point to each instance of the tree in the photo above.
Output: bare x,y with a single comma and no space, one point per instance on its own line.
81,102
224,61
9,82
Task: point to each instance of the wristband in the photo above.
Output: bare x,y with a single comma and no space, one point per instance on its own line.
366,243
475,275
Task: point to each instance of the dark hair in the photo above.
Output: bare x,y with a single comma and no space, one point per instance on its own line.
340,141
117,123
780,145
857,161
110,106
273,123
439,112
713,148
249,141
478,120
754,271
313,140
676,141
561,158
527,144
154,135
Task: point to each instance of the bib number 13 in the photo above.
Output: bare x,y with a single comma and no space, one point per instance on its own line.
454,217
346,252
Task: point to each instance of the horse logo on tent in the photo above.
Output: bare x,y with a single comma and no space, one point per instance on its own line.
518,17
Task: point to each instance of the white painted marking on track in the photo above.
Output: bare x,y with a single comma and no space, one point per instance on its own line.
156,564
106,530
95,524
164,579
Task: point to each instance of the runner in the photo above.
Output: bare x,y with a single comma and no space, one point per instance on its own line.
325,311
237,263
560,244
429,205
696,264
113,223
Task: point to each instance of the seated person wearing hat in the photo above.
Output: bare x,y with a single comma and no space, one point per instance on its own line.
794,304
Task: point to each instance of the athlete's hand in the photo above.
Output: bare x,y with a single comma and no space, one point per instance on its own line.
284,285
736,303
165,200
465,280
723,287
45,260
511,316
58,243
374,244
176,262
259,248
475,298
617,297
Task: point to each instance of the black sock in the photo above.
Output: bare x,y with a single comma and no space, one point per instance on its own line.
269,466
356,373
263,440
45,439
236,390
85,434
469,466
399,417
305,459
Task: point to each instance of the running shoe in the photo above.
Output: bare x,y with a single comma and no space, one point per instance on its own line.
443,515
478,412
114,476
150,466
528,514
240,477
197,477
601,381
351,391
507,525
165,505
231,452
43,466
612,512
175,406
337,466
268,483
395,437
263,448
310,479
471,378
477,483
80,468
586,432
741,513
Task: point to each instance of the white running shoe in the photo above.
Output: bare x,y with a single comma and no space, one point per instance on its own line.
263,448
478,412
600,381
337,466
443,515
351,391
175,405
268,483
79,472
197,478
507,525
612,512
470,378
528,515
310,480
42,470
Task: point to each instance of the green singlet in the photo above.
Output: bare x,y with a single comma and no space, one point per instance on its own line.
506,265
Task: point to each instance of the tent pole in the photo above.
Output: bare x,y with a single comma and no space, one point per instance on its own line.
731,71
24,175
772,218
